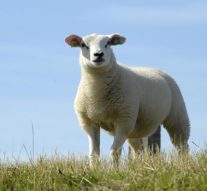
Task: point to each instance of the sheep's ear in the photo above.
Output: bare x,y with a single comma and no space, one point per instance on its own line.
73,40
116,39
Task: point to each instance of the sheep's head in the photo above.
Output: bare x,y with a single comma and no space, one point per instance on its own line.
96,49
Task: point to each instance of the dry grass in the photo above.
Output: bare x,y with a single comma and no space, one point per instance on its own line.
146,172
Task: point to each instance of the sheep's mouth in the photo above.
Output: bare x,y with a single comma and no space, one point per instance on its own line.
98,60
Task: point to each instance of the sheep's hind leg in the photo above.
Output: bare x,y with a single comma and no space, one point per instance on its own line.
179,135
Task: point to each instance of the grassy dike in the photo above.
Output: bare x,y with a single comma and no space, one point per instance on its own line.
146,172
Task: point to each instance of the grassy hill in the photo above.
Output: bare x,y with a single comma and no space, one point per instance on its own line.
146,172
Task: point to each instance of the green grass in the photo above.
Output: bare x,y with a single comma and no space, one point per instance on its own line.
146,172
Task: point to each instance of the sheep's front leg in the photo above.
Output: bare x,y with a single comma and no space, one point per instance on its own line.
121,133
94,144
93,132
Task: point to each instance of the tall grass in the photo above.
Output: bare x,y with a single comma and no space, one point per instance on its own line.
147,172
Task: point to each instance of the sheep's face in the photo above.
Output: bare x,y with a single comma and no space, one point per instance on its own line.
96,49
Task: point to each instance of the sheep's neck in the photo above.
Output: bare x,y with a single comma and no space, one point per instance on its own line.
98,85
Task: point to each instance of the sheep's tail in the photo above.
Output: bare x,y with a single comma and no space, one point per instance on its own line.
177,122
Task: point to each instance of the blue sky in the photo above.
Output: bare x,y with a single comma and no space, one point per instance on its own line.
39,73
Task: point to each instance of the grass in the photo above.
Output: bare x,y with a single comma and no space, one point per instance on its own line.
146,172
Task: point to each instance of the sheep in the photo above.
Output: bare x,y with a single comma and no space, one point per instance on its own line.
128,102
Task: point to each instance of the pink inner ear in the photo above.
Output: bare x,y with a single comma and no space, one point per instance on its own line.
122,39
73,38
117,39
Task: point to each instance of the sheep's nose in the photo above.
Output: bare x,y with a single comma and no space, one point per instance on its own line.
98,54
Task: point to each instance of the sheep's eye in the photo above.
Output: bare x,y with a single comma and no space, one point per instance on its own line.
108,43
83,45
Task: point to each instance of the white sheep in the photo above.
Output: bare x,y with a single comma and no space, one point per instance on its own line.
128,102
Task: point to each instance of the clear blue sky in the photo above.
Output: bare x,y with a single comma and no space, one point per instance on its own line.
39,73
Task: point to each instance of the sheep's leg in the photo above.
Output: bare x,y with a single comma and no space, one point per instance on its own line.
154,141
93,132
94,144
135,145
115,157
121,133
179,138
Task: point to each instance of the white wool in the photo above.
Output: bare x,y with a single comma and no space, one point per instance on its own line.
129,103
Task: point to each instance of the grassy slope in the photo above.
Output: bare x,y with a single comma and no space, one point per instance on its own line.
159,172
